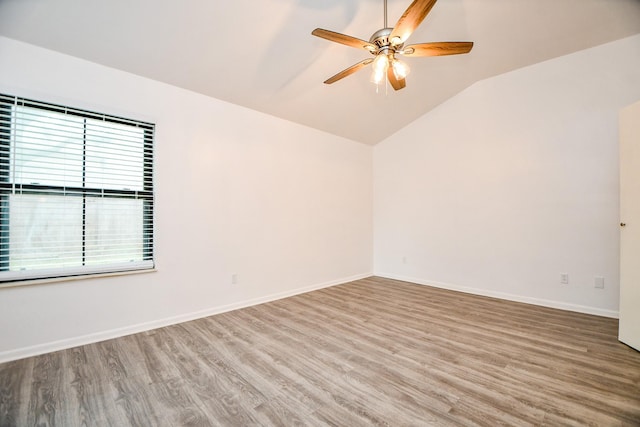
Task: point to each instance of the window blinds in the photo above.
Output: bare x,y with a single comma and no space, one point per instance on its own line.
76,191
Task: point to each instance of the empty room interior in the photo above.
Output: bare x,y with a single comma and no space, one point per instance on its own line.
337,212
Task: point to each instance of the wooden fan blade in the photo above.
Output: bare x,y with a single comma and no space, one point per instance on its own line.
347,72
395,83
437,49
409,21
343,39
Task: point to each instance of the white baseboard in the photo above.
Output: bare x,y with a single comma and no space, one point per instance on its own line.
506,296
21,353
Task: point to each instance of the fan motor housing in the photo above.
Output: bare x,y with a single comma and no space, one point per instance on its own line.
381,39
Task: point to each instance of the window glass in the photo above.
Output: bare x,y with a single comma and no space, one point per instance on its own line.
114,157
114,230
47,148
45,232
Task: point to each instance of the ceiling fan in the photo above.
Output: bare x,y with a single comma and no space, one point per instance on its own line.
387,42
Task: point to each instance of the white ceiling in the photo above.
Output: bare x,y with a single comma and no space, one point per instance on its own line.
261,54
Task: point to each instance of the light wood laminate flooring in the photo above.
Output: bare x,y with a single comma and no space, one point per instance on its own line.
370,352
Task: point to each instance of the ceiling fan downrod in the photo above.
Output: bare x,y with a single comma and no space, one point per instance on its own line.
385,14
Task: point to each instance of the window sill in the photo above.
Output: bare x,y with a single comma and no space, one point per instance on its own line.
32,282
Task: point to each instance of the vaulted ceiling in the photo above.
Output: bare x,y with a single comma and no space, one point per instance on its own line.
261,54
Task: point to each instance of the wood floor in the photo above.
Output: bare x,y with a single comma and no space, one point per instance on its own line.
370,352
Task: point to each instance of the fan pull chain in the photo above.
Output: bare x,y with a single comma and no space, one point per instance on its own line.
386,88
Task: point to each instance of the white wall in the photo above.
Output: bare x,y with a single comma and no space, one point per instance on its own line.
512,182
285,207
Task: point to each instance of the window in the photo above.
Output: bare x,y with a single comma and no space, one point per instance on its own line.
76,192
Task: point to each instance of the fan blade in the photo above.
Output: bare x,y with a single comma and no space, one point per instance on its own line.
395,83
347,72
409,21
343,39
437,49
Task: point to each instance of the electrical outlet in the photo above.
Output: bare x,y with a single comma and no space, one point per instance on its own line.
598,282
234,279
564,278
404,259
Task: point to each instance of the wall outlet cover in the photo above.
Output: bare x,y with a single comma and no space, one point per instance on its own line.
599,282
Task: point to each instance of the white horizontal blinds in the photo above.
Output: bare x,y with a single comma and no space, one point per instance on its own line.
76,191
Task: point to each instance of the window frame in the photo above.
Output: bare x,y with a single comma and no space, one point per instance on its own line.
8,104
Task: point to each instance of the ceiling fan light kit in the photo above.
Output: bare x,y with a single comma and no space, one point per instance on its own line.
388,42
379,68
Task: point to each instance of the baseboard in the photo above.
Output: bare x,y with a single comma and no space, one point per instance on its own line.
505,296
21,353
